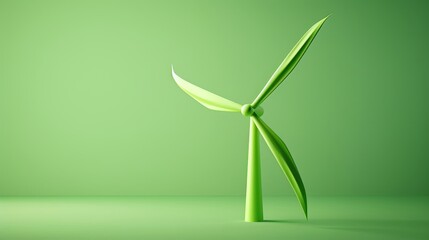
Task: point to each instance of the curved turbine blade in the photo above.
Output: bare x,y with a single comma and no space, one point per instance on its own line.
288,63
206,98
284,158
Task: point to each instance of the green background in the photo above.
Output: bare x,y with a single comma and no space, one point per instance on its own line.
88,105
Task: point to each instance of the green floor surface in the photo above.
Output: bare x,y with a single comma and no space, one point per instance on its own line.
63,218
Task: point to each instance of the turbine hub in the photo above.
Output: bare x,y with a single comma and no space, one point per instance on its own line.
247,110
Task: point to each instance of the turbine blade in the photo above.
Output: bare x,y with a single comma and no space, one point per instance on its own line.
288,63
284,158
206,98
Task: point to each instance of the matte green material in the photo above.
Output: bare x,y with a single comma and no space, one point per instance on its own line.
88,105
211,218
254,207
276,145
289,63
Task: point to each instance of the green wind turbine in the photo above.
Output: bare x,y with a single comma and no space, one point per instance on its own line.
254,210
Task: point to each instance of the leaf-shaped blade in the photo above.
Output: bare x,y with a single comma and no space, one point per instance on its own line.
206,98
288,63
284,158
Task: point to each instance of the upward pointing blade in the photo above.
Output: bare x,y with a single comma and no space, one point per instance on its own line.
206,98
288,63
284,158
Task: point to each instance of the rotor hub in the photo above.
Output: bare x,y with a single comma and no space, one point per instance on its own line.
247,110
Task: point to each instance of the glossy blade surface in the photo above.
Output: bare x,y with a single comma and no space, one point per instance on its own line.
206,98
289,63
284,158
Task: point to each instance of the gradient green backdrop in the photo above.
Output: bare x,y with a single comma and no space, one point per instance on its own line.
88,105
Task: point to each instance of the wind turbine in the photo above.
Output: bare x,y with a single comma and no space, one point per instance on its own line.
254,210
